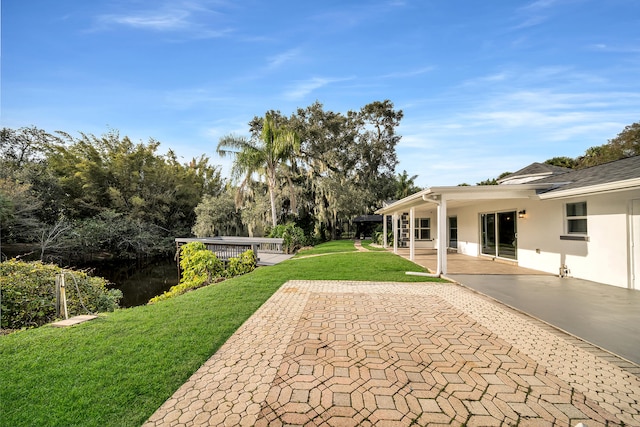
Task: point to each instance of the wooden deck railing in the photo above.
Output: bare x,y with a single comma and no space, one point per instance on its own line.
226,247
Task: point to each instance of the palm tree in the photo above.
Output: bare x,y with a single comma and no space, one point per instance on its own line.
405,185
265,156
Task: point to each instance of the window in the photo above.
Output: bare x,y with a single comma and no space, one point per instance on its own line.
453,232
423,229
576,218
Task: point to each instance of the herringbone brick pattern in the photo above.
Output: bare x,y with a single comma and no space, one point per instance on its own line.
359,354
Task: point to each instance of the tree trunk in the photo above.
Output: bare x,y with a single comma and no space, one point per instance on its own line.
272,197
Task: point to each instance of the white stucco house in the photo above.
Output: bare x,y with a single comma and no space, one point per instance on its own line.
583,223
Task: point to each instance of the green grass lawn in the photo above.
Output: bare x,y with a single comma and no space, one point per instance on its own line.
335,246
367,244
118,369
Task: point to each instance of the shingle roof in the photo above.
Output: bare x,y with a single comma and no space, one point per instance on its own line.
540,169
368,218
619,170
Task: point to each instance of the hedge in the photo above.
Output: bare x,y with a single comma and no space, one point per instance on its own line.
28,293
201,267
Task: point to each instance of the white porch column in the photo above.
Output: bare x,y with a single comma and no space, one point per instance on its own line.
395,233
442,236
412,233
385,244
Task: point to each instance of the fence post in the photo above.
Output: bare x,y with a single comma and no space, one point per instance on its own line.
58,295
63,295
254,248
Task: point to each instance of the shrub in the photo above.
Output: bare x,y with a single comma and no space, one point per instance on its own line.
293,236
199,267
29,293
378,235
245,263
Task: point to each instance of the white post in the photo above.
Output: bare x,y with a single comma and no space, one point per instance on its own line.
442,236
395,233
412,233
385,244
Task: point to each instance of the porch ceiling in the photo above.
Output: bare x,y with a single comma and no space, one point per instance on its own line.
461,196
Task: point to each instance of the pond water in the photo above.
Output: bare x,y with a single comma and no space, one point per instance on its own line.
138,282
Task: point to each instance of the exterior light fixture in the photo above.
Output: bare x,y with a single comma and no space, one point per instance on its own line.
522,214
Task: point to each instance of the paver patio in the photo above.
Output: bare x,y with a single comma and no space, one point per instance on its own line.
322,353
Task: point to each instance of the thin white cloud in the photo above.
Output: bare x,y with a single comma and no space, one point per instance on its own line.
280,59
473,138
490,78
531,21
511,79
167,21
184,17
533,14
540,4
602,47
303,88
408,73
183,99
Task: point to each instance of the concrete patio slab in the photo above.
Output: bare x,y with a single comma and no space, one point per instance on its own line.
465,264
322,353
604,315
272,259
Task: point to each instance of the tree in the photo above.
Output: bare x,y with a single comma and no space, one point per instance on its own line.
346,154
376,143
405,185
626,144
53,238
494,181
18,216
255,212
217,215
22,147
266,156
121,197
328,157
563,162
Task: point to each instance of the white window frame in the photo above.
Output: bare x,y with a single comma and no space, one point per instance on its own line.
418,229
570,218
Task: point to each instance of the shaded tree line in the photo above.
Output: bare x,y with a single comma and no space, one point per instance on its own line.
87,197
316,168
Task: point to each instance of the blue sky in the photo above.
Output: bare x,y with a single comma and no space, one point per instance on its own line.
485,86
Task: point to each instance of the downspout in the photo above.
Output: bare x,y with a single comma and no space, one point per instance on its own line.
442,236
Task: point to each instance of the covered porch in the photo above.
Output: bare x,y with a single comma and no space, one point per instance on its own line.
460,230
465,264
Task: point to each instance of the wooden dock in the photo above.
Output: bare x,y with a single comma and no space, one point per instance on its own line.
268,250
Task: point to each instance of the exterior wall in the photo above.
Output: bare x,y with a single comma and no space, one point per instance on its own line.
604,258
469,222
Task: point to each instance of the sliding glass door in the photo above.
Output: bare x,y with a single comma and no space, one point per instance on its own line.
498,234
